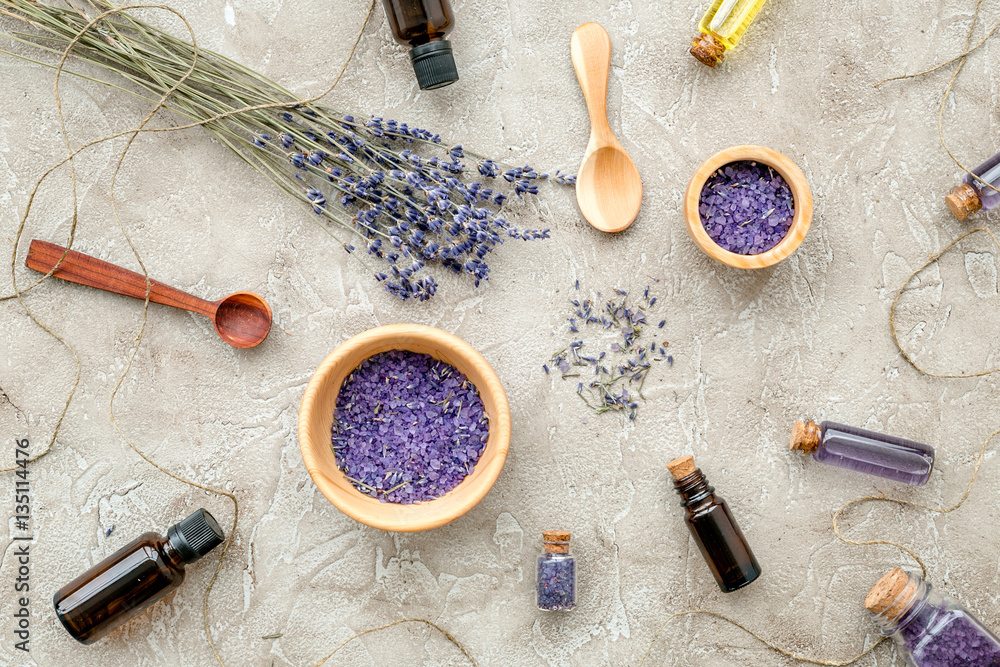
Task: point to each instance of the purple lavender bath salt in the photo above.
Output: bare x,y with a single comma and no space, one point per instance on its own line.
556,573
408,427
746,207
931,630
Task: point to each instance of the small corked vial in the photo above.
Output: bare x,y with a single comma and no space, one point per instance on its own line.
929,629
708,49
556,590
713,527
859,449
963,201
722,27
979,189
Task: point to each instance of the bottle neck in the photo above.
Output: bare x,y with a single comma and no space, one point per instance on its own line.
172,554
693,489
906,606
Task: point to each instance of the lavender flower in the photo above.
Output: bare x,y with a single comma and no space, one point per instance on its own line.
418,204
406,195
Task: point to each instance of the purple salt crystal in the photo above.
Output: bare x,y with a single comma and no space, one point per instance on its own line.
407,428
556,583
949,637
759,209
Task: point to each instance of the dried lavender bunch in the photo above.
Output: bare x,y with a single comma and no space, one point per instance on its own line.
620,370
405,195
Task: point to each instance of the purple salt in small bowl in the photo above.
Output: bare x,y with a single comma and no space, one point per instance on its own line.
316,417
792,176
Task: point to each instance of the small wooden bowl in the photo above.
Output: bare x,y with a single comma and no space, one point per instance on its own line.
320,401
801,195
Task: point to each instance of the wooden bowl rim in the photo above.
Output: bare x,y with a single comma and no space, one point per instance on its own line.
801,196
429,514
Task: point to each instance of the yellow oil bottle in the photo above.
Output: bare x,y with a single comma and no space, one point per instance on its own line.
721,28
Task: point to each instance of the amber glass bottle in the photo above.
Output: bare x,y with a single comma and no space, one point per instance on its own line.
137,575
715,531
423,25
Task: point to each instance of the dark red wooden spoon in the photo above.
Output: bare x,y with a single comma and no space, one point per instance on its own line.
242,319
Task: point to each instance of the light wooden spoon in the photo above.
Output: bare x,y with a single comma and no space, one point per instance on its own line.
608,187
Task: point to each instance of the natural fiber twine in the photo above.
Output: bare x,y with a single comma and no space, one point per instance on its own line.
960,59
19,293
141,129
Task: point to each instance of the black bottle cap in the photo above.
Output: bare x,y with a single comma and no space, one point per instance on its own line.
434,64
195,536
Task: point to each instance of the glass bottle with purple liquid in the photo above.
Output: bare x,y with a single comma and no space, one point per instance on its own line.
973,194
931,630
865,451
556,573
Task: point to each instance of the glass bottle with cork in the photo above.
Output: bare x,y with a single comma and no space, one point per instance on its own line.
976,192
713,527
929,629
721,28
423,25
134,577
556,589
887,456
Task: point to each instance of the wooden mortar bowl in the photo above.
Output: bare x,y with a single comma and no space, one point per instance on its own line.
801,196
316,421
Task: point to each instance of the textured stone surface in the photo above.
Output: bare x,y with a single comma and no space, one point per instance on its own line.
754,351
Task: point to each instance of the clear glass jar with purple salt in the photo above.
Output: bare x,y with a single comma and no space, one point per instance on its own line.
556,573
930,629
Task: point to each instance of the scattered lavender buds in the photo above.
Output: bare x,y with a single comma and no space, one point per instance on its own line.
746,207
407,427
556,584
611,379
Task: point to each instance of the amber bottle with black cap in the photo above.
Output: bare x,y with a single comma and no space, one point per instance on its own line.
713,527
134,577
423,26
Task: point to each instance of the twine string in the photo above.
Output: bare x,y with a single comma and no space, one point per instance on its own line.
899,293
447,635
960,59
838,514
162,103
17,293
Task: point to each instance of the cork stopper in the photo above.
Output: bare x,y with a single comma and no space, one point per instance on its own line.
556,541
892,594
805,437
682,467
708,49
963,200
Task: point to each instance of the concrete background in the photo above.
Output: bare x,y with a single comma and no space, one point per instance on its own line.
754,351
